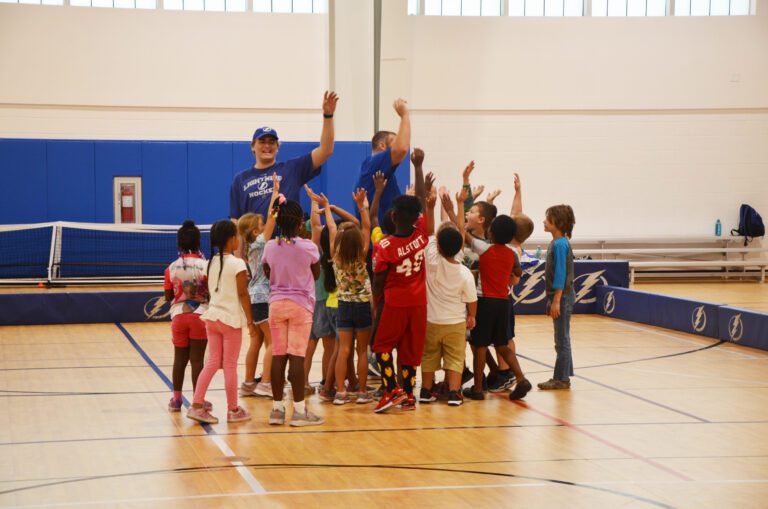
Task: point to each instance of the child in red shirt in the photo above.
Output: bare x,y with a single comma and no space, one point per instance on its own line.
399,274
499,267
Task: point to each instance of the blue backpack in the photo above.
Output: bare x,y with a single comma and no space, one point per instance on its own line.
750,224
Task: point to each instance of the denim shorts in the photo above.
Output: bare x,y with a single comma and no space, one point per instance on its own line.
354,315
323,321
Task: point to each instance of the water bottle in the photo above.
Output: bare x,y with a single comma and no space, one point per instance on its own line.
718,228
538,252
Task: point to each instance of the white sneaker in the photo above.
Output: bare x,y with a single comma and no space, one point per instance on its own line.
263,389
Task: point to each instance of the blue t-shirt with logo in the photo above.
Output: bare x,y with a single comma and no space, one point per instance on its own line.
251,190
379,162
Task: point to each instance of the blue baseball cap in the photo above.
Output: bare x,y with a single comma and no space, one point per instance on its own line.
261,132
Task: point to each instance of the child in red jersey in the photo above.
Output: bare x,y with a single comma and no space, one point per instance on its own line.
499,268
400,276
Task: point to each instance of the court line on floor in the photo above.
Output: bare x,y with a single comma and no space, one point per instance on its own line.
683,340
622,391
542,481
373,430
602,440
244,472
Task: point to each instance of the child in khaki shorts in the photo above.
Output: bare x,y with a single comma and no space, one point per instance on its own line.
451,308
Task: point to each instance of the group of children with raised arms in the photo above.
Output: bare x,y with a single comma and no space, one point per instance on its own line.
428,290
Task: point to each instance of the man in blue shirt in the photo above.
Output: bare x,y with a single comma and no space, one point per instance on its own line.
389,149
251,190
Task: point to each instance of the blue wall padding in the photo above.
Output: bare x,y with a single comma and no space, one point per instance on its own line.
529,294
164,183
744,327
23,193
72,180
693,317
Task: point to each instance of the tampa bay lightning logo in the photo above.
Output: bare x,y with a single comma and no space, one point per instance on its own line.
263,185
735,327
524,294
699,319
585,285
157,308
609,303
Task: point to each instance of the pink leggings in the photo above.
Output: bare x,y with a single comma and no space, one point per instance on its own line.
223,351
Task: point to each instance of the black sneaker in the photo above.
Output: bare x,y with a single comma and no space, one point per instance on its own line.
454,398
466,375
469,393
521,389
426,396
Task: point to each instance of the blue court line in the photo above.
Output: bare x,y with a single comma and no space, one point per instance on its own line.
208,429
621,391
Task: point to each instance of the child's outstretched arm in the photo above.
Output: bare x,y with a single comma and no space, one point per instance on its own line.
344,215
431,200
465,177
447,211
417,158
517,201
361,199
269,226
379,182
315,223
323,202
461,198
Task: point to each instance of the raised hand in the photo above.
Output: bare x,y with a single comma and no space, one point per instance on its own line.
445,199
276,185
401,107
492,196
517,183
379,181
462,195
410,190
431,198
329,102
321,199
429,183
477,191
360,197
467,172
417,157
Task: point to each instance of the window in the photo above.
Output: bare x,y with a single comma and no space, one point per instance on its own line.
629,7
712,7
546,7
456,7
120,4
288,6
33,2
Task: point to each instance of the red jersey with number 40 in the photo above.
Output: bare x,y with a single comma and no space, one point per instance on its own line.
403,257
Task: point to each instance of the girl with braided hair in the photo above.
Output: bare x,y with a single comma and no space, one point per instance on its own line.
228,312
292,265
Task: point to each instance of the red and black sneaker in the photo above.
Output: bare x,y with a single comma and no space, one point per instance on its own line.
391,398
408,404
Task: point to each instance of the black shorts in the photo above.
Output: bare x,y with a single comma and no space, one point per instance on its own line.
260,312
511,322
354,316
491,322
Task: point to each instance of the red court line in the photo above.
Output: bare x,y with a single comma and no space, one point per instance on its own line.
619,448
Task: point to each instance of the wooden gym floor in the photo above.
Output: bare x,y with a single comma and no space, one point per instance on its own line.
654,418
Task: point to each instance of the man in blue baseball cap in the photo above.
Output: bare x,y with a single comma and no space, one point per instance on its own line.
251,189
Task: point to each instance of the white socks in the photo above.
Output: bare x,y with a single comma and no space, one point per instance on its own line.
278,405
299,406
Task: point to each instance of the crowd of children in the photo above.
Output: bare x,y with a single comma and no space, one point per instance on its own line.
404,289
